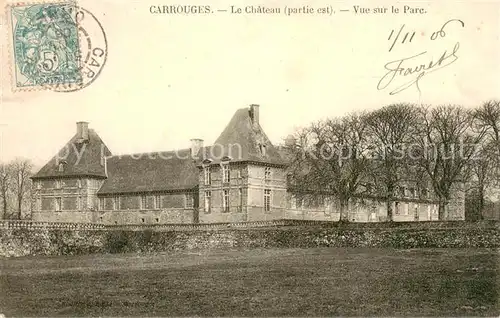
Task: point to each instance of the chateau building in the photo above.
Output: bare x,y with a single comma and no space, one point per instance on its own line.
241,177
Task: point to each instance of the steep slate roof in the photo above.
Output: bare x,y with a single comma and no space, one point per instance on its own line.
178,170
241,131
78,161
150,172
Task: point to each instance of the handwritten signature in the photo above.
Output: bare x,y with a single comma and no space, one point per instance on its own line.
398,68
408,67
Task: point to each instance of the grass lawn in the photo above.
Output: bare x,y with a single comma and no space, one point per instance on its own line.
277,282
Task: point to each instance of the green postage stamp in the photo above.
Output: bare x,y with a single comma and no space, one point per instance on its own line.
45,46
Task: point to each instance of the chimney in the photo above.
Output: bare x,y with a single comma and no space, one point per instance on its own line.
290,141
82,130
196,145
254,115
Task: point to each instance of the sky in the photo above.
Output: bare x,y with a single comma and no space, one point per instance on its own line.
170,78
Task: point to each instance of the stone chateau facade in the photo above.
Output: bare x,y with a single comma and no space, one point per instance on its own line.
241,178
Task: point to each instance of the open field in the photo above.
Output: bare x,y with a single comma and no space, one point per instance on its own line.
270,282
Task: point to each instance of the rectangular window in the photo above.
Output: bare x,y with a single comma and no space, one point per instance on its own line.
240,200
226,175
267,173
78,203
396,208
293,202
188,201
267,200
143,202
413,192
328,205
225,200
401,192
39,185
157,201
208,175
116,203
101,204
58,184
79,183
299,202
208,201
58,204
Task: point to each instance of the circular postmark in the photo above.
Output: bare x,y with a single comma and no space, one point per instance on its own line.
93,49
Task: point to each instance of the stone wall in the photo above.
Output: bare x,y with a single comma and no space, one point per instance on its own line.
22,242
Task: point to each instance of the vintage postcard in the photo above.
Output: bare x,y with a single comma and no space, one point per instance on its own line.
273,158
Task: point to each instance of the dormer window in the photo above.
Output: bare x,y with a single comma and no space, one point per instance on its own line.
425,193
262,149
413,193
61,167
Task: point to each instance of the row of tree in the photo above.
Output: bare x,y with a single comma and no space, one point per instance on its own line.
443,146
15,188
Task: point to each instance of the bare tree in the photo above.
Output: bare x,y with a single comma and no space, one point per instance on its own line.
487,117
5,187
331,156
21,172
447,142
481,173
484,170
391,129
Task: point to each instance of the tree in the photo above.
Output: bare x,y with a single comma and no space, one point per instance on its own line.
487,117
5,187
21,172
391,129
482,173
447,142
331,156
484,170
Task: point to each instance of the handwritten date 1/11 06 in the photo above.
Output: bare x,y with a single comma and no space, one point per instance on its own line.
403,36
403,73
